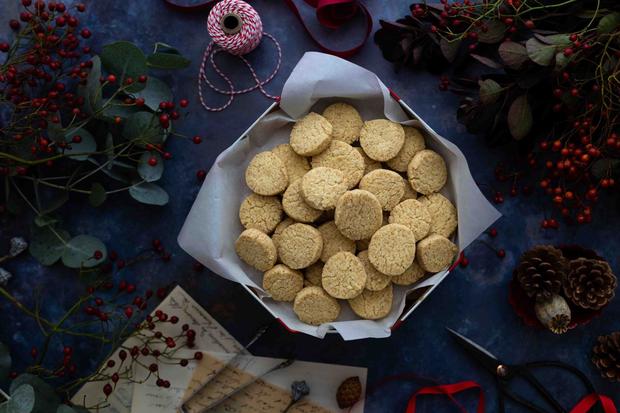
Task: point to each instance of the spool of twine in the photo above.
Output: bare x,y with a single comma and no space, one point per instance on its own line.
235,28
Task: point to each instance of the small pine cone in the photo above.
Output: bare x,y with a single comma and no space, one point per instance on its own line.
590,284
349,392
541,272
606,356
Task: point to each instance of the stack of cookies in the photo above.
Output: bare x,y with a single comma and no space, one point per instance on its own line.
345,211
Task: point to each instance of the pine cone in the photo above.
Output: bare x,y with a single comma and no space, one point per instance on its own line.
541,272
349,392
606,356
590,284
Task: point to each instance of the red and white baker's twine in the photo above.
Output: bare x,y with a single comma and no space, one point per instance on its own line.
237,44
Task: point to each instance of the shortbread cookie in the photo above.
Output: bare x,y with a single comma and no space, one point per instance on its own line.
314,306
300,246
345,120
260,212
435,253
363,244
311,135
256,249
427,172
443,214
296,207
334,241
296,165
279,228
409,192
375,280
392,249
358,214
413,214
283,283
382,139
369,164
314,273
322,187
412,275
344,157
266,174
414,143
344,276
373,305
386,185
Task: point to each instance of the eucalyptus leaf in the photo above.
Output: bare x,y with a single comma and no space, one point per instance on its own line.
5,360
118,108
608,23
167,61
154,93
47,244
22,399
92,92
80,250
449,49
86,145
490,91
145,128
46,399
147,172
486,61
45,220
520,118
560,61
513,54
125,59
495,32
97,194
149,193
559,40
539,52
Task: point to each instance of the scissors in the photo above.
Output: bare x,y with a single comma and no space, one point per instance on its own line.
505,373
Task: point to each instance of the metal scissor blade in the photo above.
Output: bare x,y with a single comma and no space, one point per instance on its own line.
484,357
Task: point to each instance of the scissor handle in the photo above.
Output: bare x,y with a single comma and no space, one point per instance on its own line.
524,371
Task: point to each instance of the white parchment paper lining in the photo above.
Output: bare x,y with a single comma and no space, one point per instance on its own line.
212,226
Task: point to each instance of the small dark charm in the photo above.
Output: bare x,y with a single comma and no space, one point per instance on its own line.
590,284
606,356
541,272
349,392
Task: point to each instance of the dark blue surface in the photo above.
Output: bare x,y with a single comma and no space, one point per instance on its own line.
472,300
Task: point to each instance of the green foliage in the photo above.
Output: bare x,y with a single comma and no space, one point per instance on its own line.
149,193
79,252
155,92
520,118
36,394
124,59
47,244
166,57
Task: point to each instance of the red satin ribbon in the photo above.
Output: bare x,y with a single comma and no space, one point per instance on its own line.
591,400
584,406
330,13
449,390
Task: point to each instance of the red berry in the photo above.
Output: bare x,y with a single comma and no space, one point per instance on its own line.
501,253
198,355
128,312
197,140
184,362
61,21
118,120
80,7
201,174
115,377
139,102
14,24
493,232
4,47
529,24
183,103
85,33
98,255
568,51
153,367
152,161
574,92
111,363
167,156
76,139
142,78
107,389
464,262
164,118
34,352
111,79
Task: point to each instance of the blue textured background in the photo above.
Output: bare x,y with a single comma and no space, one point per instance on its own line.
473,300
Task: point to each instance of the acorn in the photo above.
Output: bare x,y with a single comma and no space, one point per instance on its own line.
349,392
554,314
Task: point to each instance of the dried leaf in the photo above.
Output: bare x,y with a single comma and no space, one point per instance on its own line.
513,54
520,118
